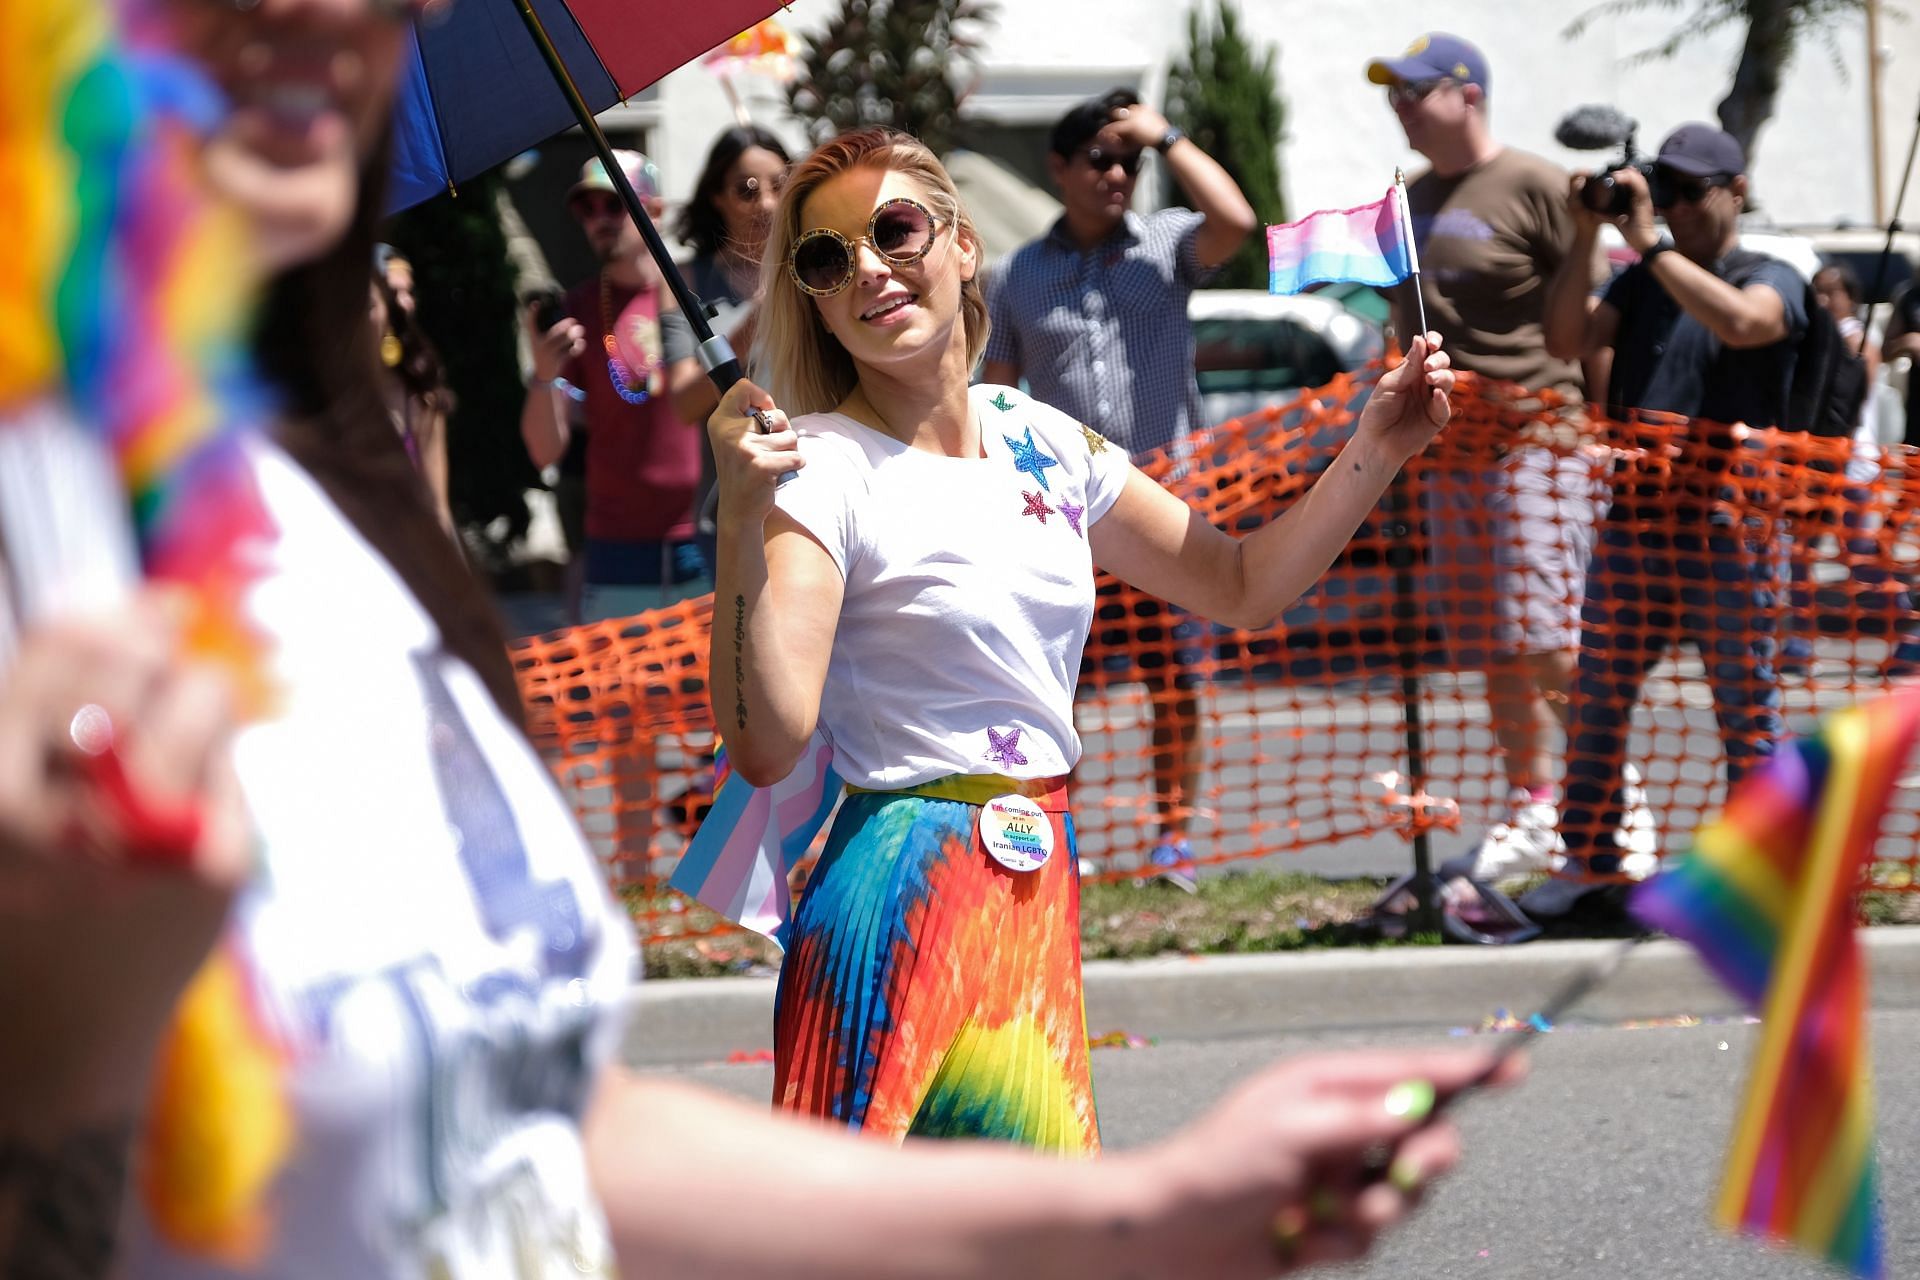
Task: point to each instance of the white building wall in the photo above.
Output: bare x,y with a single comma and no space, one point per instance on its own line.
1342,143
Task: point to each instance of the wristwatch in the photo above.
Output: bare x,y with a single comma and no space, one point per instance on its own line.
1165,144
1659,247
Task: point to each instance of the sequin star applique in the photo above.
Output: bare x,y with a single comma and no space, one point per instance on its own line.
1005,752
1001,402
1037,506
1073,511
1028,457
1096,443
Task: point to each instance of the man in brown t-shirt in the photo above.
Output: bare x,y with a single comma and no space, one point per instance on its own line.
1492,227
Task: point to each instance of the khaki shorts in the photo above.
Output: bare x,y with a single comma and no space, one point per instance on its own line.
1510,551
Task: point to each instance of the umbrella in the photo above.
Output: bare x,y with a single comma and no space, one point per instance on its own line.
477,90
495,77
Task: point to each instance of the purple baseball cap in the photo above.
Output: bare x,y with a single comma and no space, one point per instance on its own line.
1434,56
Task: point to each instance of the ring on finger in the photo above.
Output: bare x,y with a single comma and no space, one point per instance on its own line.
90,730
150,832
1285,1233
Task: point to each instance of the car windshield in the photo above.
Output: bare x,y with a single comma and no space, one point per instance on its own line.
1233,354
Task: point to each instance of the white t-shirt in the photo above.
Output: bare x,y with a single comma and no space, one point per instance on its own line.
969,590
428,938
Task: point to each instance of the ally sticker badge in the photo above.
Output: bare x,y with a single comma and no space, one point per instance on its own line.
1017,832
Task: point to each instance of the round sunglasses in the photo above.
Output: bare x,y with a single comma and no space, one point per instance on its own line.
901,231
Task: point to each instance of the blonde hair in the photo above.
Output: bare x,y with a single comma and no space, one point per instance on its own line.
806,368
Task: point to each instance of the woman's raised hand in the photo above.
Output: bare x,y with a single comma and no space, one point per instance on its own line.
1409,405
753,446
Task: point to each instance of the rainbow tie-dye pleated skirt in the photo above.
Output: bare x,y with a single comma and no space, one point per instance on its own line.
928,991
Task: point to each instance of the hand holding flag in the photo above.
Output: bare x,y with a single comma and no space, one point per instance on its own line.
1411,402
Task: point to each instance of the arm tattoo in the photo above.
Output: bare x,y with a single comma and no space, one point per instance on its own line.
60,1204
739,661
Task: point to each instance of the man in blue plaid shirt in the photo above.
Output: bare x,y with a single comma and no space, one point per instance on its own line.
1094,316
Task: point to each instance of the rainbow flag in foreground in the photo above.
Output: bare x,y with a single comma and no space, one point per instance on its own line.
1371,244
1766,896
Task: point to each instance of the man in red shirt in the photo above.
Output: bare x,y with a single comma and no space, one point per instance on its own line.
600,371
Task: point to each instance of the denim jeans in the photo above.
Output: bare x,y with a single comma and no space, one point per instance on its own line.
1649,590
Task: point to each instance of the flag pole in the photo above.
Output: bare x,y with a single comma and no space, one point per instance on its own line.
1409,630
1413,250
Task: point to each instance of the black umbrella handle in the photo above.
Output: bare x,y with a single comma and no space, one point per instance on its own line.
716,354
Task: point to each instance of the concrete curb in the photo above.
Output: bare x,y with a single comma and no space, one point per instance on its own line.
1208,997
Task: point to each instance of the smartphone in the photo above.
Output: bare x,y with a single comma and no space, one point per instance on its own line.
549,308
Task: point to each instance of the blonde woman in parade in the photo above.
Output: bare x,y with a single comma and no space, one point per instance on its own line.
919,595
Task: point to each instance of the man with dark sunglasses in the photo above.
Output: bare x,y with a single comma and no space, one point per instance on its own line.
1702,328
1094,316
1492,227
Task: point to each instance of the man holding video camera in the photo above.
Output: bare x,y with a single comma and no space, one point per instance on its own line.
1702,328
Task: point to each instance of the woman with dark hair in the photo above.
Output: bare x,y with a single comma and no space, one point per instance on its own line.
726,223
413,381
420,1079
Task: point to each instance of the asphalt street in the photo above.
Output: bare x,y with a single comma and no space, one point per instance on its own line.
1602,1165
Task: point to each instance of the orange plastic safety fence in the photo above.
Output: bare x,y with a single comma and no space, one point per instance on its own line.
1744,582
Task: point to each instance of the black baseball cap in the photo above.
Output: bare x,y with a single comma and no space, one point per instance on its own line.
1433,56
1702,151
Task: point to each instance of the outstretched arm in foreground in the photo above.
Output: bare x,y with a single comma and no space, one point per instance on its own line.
1275,1178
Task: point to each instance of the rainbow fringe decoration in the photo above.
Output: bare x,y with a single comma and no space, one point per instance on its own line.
126,291
1766,896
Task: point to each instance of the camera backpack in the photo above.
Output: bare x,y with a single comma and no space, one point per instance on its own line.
1829,382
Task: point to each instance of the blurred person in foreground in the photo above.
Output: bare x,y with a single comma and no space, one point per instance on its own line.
422,937
1093,315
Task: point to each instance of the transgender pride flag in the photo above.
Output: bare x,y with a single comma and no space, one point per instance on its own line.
753,836
1372,244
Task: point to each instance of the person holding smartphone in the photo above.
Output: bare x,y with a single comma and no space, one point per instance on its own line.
642,463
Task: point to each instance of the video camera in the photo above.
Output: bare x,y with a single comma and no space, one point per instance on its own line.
1601,128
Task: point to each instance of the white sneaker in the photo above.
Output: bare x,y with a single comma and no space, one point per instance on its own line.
1638,838
1528,842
